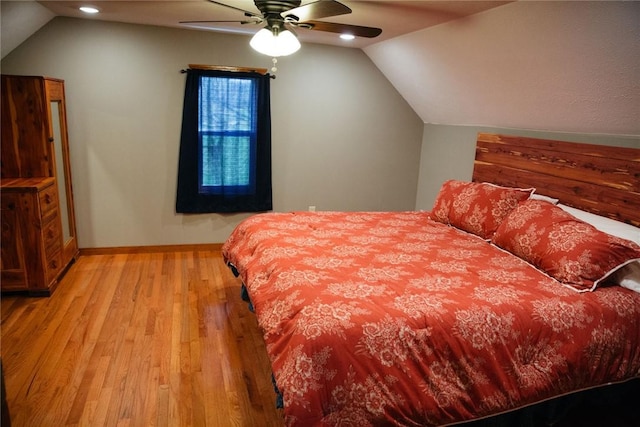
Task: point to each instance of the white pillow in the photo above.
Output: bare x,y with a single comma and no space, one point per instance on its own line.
608,225
628,276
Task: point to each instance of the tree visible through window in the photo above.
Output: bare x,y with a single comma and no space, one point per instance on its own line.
225,149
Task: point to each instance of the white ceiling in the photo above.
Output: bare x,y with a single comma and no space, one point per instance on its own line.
393,16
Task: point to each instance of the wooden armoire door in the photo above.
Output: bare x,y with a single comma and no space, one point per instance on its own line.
60,165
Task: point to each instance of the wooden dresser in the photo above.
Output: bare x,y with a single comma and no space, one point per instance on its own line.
38,222
31,235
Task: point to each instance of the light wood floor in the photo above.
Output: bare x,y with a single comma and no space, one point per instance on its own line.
137,340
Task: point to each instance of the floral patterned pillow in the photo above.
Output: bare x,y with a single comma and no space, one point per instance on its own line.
572,251
477,208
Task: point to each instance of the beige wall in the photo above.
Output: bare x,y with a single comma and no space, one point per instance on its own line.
343,138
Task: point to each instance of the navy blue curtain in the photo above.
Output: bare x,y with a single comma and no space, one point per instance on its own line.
201,145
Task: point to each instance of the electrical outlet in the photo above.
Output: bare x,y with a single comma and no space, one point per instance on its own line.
312,208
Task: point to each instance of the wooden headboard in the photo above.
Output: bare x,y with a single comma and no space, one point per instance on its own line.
601,179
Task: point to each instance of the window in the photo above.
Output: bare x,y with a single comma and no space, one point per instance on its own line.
227,134
225,146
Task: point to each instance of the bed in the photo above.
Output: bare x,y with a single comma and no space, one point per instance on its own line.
460,313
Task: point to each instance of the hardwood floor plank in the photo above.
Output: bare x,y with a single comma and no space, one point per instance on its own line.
102,407
137,339
89,404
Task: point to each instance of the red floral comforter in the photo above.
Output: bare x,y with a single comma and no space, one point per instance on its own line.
391,318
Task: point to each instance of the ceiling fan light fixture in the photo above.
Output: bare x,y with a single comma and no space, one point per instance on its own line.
273,43
347,36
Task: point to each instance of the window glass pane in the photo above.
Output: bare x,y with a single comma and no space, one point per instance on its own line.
226,104
225,160
227,133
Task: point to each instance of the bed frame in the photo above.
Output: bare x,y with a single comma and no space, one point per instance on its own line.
604,180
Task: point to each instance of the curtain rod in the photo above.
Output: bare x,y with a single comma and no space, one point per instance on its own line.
263,71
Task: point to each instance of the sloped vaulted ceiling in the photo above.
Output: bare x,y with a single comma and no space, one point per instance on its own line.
19,20
558,66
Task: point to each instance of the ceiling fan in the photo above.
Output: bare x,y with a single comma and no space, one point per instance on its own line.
282,16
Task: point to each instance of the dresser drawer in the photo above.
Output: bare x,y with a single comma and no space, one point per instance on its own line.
51,232
54,263
48,200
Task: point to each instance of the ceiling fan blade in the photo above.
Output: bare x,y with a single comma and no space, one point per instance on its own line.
316,10
333,27
211,22
246,12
